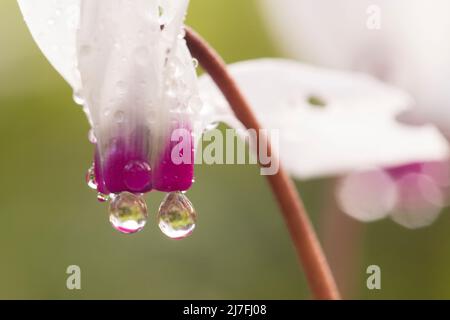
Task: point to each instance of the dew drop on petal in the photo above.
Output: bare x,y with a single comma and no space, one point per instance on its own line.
85,50
91,136
182,34
195,104
101,197
176,216
137,175
195,63
90,178
77,98
211,126
128,212
119,116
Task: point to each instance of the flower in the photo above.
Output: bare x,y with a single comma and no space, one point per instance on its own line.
402,50
333,124
131,70
330,122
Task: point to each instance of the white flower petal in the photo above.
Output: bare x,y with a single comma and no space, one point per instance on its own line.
53,25
355,130
409,50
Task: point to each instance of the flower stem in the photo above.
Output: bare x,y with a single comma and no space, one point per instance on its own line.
309,251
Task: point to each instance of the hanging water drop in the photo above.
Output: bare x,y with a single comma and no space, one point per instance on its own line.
90,178
195,63
212,126
77,98
128,212
119,116
91,136
176,216
101,197
182,34
137,175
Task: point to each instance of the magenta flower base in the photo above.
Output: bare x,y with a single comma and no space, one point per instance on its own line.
126,167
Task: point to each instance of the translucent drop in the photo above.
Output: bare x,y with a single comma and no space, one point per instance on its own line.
101,197
176,216
151,116
212,126
90,178
119,116
137,175
182,34
91,136
85,50
78,98
128,212
195,104
195,63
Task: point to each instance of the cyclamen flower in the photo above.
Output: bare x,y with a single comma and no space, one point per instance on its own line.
130,67
400,49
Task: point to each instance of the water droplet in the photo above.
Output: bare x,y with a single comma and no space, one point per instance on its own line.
103,197
212,126
78,98
91,136
151,116
106,112
195,63
90,178
128,212
119,116
195,104
85,50
182,34
137,175
176,216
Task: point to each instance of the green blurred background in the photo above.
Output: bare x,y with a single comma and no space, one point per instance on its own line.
240,250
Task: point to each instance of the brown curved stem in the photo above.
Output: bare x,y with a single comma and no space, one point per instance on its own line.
309,251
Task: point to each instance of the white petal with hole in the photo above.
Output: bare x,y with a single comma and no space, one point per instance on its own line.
354,129
409,50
